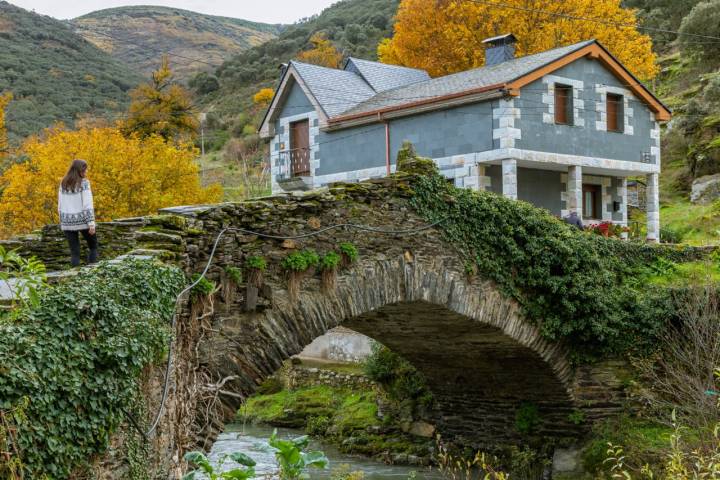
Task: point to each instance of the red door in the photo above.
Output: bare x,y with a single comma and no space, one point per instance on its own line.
300,148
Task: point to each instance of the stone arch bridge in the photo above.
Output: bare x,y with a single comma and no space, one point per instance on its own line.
482,359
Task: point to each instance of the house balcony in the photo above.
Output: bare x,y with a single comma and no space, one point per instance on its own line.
293,169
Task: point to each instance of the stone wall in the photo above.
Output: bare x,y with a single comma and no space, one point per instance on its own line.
293,376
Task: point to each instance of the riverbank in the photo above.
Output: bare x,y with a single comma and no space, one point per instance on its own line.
339,405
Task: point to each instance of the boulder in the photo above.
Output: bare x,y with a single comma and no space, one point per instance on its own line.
705,189
422,429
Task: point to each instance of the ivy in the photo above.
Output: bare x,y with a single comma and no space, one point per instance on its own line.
300,261
348,251
577,287
77,356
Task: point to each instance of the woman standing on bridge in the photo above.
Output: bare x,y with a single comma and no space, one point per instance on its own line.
77,214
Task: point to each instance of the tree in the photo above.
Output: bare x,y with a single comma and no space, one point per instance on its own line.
161,107
445,36
323,52
130,176
703,19
4,145
263,96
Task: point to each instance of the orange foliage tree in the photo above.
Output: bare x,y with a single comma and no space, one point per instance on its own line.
323,52
130,176
162,107
444,36
4,146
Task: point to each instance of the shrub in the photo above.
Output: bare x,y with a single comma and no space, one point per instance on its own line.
703,19
527,418
256,267
328,266
349,253
317,426
401,380
672,235
579,288
203,288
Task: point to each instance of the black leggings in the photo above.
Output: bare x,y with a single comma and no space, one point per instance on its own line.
74,241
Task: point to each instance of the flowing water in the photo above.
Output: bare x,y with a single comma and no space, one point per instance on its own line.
252,440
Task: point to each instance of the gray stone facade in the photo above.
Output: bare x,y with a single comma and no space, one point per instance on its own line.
517,135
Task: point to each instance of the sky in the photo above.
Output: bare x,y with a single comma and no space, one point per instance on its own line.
267,11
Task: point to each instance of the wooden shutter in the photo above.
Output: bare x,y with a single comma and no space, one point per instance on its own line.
613,112
563,95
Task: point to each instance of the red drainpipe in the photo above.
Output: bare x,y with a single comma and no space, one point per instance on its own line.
387,146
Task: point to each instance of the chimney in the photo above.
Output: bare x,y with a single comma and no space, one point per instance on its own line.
283,67
499,49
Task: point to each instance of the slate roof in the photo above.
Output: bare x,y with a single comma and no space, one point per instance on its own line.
382,77
335,90
463,81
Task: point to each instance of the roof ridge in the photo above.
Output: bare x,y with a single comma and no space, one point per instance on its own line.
387,64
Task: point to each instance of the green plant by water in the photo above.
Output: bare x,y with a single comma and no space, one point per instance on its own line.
293,460
244,472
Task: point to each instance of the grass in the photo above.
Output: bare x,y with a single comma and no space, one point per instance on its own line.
293,408
643,441
698,273
698,223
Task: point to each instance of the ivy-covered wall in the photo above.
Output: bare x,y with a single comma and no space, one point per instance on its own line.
70,366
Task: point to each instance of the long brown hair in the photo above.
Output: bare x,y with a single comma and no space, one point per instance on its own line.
72,181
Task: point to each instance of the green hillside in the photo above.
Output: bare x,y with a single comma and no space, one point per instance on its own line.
354,26
54,74
138,35
689,83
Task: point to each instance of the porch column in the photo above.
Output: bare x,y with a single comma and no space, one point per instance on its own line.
652,202
574,190
509,178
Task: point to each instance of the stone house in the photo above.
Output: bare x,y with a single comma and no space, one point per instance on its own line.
562,129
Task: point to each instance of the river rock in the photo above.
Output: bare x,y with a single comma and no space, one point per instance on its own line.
422,429
566,460
705,189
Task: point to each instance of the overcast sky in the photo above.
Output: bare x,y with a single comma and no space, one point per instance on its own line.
268,11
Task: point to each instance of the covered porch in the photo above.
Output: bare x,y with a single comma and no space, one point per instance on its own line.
596,193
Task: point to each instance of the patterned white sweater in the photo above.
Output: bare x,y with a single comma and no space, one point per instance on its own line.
76,208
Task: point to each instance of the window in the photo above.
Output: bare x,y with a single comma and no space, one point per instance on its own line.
591,202
614,112
563,104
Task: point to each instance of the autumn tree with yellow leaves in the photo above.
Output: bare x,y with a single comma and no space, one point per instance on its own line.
130,176
162,107
323,52
445,36
4,145
263,96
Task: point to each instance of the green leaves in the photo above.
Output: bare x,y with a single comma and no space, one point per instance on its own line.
77,356
200,460
579,288
300,261
292,460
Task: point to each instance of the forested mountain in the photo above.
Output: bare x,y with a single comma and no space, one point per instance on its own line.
54,74
355,27
138,35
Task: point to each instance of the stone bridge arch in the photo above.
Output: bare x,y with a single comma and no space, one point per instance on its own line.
481,358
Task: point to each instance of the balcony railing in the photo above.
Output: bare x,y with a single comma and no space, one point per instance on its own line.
293,163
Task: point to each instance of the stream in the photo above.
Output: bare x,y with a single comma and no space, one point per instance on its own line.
249,439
